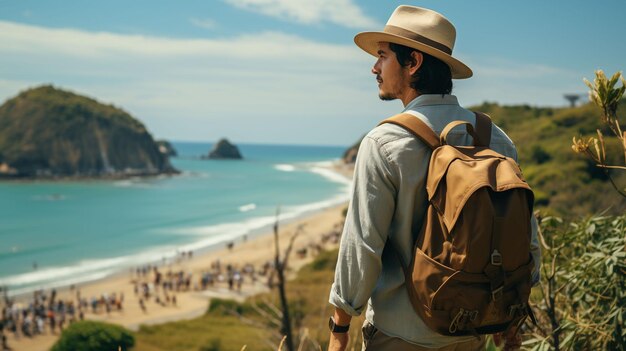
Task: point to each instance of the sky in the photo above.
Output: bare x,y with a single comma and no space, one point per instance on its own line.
287,71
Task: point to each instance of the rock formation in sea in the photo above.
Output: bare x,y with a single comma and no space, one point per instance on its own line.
46,132
223,149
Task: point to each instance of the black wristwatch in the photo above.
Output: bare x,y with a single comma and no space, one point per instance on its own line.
337,328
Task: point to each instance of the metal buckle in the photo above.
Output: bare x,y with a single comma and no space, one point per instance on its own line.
514,309
473,315
497,292
496,258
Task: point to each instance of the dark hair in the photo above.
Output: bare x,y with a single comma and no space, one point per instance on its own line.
433,76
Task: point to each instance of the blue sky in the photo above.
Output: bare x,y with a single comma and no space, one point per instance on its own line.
287,71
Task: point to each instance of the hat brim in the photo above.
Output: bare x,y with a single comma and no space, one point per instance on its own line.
368,41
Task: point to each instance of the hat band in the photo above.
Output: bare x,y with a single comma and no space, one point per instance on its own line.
414,36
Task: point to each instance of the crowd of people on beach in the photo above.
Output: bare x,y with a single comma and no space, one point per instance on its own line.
46,313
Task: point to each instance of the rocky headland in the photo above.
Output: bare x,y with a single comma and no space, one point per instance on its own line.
47,132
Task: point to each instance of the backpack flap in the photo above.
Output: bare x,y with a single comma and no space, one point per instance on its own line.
468,169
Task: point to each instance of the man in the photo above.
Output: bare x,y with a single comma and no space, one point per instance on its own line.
415,65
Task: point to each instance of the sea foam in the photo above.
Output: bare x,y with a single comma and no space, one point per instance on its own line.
246,208
285,167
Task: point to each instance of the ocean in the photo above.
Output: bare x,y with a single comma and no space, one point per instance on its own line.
58,233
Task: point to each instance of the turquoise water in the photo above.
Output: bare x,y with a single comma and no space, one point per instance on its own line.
76,231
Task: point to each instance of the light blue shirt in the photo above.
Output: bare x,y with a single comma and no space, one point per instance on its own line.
389,202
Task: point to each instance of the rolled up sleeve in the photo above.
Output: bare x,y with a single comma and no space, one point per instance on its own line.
366,229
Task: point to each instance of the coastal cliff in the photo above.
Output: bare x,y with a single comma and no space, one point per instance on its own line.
47,132
349,156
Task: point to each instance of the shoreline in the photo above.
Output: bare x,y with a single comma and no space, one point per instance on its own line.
191,304
321,231
253,227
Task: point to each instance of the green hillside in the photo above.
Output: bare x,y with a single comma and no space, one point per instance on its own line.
565,183
48,132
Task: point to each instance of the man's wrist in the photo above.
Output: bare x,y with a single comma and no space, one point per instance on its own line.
341,317
336,328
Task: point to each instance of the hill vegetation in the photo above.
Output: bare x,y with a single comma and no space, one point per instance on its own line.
49,132
565,183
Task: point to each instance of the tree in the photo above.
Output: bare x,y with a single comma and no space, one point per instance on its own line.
279,266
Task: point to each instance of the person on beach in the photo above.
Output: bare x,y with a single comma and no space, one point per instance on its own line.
415,65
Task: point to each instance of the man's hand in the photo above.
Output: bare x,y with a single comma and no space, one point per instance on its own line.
338,341
512,340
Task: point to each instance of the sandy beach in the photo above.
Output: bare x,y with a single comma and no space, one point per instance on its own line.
317,231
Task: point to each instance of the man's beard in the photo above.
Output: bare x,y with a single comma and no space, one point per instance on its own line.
387,96
382,95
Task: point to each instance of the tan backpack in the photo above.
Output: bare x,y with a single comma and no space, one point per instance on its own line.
471,267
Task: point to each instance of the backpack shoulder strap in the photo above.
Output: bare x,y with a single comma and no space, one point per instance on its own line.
483,129
416,127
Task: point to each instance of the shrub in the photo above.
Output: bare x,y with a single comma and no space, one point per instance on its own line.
94,336
539,154
583,286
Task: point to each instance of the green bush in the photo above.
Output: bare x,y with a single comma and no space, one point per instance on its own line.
583,286
226,307
94,336
212,345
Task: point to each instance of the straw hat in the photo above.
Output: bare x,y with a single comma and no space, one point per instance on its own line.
421,29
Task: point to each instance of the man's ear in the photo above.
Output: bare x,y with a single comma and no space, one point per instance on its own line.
416,63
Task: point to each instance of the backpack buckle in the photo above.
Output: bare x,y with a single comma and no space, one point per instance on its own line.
472,315
495,294
517,310
496,258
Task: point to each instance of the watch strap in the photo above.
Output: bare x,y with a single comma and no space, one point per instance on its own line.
337,328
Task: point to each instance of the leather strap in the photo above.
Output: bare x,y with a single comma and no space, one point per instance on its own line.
416,127
454,124
483,128
481,132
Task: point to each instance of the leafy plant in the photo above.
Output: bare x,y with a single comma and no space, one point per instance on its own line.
604,94
583,286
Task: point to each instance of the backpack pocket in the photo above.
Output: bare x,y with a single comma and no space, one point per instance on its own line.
426,276
454,302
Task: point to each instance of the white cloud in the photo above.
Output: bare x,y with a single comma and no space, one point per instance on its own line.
206,23
20,38
341,12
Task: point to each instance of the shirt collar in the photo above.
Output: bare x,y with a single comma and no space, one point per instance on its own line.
431,99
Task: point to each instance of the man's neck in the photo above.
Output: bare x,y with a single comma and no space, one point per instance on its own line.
409,96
